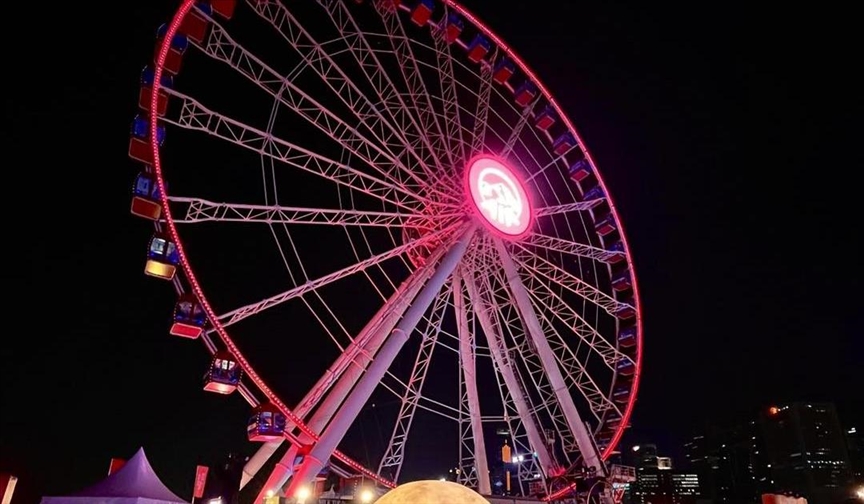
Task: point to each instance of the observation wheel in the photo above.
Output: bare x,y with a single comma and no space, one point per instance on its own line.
378,203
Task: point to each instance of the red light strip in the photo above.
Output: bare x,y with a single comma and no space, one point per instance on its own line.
560,493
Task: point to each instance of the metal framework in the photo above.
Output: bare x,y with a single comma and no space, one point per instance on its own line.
382,108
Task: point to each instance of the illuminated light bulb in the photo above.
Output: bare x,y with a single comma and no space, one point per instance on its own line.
303,493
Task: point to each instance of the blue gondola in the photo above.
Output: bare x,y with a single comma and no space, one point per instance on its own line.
525,94
563,143
627,337
626,367
605,224
621,254
545,119
621,281
162,257
145,197
580,169
266,424
139,144
627,310
141,129
422,12
595,192
189,317
224,374
453,28
504,69
147,76
621,394
478,48
174,57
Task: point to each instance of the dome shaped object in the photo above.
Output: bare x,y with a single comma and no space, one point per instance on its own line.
431,492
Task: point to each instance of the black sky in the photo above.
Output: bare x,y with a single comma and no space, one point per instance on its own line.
728,137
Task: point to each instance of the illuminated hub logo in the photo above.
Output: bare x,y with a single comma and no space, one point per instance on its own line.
499,196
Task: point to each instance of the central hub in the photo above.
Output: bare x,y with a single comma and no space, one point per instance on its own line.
499,197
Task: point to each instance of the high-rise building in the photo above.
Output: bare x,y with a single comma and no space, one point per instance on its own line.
730,463
657,482
855,447
806,449
797,449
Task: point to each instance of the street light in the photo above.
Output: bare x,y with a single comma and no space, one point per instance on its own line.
860,493
366,496
302,494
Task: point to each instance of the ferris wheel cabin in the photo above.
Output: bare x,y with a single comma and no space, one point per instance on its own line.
224,374
139,140
266,424
525,93
504,69
563,144
478,48
580,170
174,58
166,82
145,197
162,257
453,28
422,12
189,317
545,119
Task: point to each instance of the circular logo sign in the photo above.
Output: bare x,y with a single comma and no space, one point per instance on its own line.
499,196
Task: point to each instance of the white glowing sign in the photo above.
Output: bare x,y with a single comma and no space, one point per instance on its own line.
499,196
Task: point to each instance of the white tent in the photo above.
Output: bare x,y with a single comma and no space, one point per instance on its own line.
134,483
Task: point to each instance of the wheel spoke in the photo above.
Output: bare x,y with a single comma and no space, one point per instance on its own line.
195,116
343,87
379,78
568,247
197,210
568,207
556,275
516,133
453,128
241,313
553,303
419,100
481,114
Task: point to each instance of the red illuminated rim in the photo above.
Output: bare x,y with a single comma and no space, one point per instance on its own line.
499,197
171,227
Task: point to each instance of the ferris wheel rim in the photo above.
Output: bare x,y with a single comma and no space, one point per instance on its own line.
170,223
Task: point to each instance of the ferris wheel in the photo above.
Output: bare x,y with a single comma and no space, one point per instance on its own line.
383,191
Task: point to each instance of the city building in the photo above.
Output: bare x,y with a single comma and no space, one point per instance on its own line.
794,449
657,482
806,449
855,447
730,463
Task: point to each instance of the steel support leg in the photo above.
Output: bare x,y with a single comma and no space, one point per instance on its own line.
342,420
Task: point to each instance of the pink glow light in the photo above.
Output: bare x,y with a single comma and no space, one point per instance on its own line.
499,197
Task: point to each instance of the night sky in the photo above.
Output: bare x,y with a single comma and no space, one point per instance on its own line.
725,136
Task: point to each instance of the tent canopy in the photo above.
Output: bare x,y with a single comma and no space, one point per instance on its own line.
134,483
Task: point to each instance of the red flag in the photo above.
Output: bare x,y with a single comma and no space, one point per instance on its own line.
200,480
115,465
